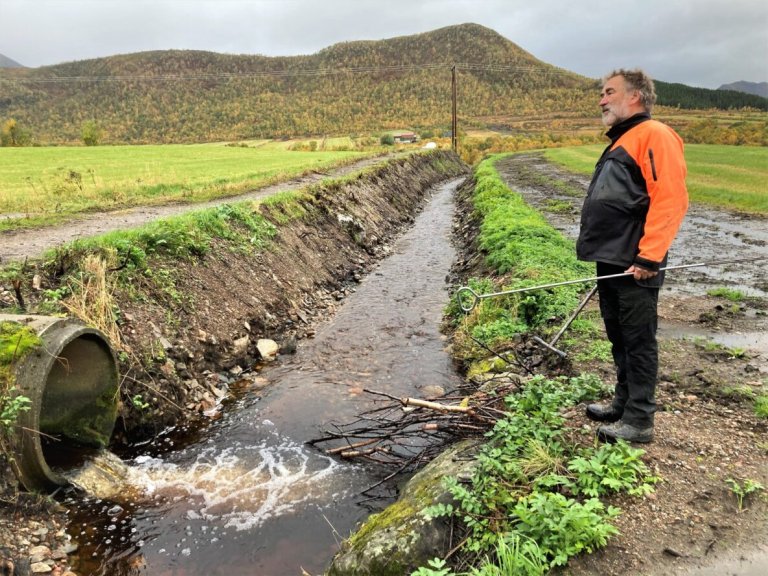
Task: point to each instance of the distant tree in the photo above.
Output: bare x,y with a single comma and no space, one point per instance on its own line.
388,140
13,135
91,133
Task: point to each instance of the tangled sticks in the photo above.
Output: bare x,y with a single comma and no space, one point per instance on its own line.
405,433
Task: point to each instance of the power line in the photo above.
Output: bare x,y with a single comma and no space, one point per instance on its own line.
286,73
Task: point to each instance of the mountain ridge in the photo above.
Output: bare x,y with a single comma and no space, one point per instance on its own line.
755,88
351,87
6,62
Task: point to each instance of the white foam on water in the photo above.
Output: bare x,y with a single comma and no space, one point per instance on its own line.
240,486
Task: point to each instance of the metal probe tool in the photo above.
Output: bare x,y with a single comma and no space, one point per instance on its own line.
466,291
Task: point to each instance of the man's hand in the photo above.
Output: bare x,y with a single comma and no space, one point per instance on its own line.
640,273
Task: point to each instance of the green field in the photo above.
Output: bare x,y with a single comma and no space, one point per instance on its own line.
43,185
732,177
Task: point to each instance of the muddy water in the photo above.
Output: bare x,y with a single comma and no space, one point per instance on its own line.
246,495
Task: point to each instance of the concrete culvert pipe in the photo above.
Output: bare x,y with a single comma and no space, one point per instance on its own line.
71,380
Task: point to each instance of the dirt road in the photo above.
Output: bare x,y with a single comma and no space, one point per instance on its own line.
714,362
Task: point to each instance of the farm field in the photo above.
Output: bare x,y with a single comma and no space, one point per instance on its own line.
50,183
724,176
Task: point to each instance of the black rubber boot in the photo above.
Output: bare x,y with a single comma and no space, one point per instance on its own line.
603,413
623,431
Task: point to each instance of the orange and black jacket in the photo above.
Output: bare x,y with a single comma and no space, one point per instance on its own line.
637,198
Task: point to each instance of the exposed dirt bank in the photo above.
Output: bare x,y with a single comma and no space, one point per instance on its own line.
714,361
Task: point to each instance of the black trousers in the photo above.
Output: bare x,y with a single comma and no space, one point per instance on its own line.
629,312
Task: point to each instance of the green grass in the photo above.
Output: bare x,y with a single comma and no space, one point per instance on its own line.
50,182
725,176
523,249
727,293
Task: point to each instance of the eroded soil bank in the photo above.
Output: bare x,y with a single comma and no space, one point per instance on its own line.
714,361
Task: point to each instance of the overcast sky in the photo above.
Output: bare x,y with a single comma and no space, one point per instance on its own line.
697,42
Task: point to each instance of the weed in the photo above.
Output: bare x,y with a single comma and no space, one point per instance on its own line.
11,406
138,402
91,298
16,341
514,555
743,392
558,206
436,567
598,350
611,468
742,490
563,527
518,488
727,293
711,346
761,406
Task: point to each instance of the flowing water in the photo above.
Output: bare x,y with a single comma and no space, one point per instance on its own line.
245,495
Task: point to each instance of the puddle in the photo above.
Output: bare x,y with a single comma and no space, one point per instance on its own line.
756,341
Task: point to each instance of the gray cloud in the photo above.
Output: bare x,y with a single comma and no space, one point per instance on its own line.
697,42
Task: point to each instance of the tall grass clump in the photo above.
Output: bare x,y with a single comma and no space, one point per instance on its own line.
523,250
91,297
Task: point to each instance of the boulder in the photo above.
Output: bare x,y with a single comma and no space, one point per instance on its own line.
399,539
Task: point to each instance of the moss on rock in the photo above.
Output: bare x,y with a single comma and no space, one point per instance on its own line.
399,539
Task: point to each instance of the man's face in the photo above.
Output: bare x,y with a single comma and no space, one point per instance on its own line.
616,102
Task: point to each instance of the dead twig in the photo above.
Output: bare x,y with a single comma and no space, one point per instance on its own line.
405,432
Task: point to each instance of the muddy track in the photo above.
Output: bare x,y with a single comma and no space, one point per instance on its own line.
30,244
706,429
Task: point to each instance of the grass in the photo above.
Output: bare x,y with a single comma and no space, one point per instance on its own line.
724,176
524,250
727,293
48,184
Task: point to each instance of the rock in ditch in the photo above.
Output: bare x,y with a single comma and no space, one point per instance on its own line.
399,539
268,349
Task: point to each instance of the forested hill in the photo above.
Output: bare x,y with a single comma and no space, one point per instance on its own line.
670,94
348,88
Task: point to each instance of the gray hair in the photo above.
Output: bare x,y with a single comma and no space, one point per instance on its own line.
640,81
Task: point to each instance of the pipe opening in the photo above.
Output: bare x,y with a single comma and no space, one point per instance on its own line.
78,403
72,383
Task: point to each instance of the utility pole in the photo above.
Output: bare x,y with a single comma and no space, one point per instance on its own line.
454,124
